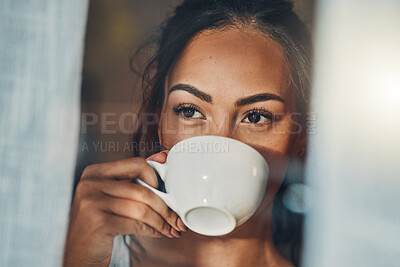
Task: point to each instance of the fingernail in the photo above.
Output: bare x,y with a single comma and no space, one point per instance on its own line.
170,235
175,233
181,225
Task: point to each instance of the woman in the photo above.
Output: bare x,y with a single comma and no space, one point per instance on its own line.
232,68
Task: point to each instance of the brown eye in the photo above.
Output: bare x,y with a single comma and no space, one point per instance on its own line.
188,111
254,118
258,116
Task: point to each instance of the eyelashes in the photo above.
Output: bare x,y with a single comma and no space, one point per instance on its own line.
188,111
256,116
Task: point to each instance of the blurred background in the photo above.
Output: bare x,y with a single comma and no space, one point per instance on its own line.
110,89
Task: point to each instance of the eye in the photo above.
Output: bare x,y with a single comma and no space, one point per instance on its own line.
258,116
188,111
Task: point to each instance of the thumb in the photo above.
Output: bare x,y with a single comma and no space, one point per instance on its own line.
160,157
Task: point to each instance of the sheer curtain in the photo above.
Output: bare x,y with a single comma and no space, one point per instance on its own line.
41,46
354,168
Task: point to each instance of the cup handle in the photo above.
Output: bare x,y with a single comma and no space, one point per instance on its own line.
161,169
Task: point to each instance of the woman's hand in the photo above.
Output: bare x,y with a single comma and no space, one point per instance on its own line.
108,203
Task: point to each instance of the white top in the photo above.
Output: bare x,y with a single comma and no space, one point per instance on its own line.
120,253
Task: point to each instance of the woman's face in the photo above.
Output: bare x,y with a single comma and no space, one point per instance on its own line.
234,83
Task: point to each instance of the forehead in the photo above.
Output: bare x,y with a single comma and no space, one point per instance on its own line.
232,63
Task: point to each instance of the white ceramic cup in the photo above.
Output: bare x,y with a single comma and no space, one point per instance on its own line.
213,183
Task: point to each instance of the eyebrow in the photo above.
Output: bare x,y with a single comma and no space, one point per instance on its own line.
193,90
241,102
258,98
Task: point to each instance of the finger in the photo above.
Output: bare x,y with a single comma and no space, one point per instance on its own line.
127,169
138,193
160,157
140,212
118,225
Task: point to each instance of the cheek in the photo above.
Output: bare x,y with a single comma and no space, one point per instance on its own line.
276,147
275,142
278,164
173,130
